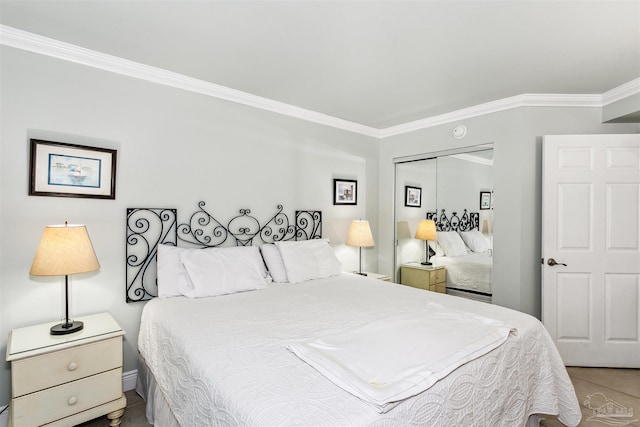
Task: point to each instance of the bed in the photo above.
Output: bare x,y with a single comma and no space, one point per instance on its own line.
233,359
465,253
468,275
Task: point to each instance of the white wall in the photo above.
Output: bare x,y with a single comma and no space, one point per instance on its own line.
420,174
459,185
460,182
175,148
517,172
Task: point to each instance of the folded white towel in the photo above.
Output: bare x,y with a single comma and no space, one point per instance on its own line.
394,358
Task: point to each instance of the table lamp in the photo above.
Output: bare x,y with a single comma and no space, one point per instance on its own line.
426,231
360,235
64,250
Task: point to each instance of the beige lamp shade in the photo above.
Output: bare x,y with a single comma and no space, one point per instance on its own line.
63,250
360,234
426,230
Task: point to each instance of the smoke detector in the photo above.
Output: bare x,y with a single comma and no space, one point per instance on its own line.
459,131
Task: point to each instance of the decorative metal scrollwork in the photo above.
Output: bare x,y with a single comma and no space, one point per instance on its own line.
204,230
308,225
146,229
467,222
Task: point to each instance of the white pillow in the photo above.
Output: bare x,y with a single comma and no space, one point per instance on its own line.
252,253
273,259
221,271
451,243
435,247
171,273
309,259
475,241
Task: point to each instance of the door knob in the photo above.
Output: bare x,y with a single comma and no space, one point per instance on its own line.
553,262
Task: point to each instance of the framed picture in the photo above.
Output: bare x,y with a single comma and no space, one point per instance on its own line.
412,196
69,170
345,192
485,200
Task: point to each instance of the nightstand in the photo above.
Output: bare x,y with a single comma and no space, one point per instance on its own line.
429,277
66,379
383,277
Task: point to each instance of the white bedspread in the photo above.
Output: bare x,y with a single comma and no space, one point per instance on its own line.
472,271
397,357
223,361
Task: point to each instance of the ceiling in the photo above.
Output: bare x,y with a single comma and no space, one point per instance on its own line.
378,64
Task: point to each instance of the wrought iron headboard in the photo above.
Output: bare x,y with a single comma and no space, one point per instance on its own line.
149,227
466,222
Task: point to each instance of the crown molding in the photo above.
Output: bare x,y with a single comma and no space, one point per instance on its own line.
27,41
24,40
524,100
623,91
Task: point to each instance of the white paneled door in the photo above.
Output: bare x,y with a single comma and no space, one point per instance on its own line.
591,248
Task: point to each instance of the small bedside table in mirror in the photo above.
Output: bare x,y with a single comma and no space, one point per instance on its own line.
428,277
66,379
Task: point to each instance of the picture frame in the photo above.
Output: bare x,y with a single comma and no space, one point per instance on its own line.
412,196
58,169
345,192
485,200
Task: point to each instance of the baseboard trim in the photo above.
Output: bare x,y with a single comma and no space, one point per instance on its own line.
129,380
4,417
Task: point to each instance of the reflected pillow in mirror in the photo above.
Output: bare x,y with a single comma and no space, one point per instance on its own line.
435,249
451,243
475,241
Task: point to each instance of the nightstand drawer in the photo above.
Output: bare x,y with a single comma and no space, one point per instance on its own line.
415,278
439,287
58,402
39,372
430,278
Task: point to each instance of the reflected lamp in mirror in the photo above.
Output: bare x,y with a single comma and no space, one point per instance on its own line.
426,231
360,235
64,250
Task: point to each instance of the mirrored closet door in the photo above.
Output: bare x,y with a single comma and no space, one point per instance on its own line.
455,191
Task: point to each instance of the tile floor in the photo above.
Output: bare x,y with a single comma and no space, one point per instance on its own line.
134,415
619,385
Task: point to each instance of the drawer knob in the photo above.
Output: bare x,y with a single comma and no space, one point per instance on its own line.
72,400
72,366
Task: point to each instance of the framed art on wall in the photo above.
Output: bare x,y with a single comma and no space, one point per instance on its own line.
412,196
69,170
345,192
485,200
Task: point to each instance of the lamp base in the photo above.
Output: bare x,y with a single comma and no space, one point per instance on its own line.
66,328
426,263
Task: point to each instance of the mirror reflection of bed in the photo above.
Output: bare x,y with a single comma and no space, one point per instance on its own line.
455,188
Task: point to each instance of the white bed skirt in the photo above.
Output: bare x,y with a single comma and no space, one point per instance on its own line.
158,412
